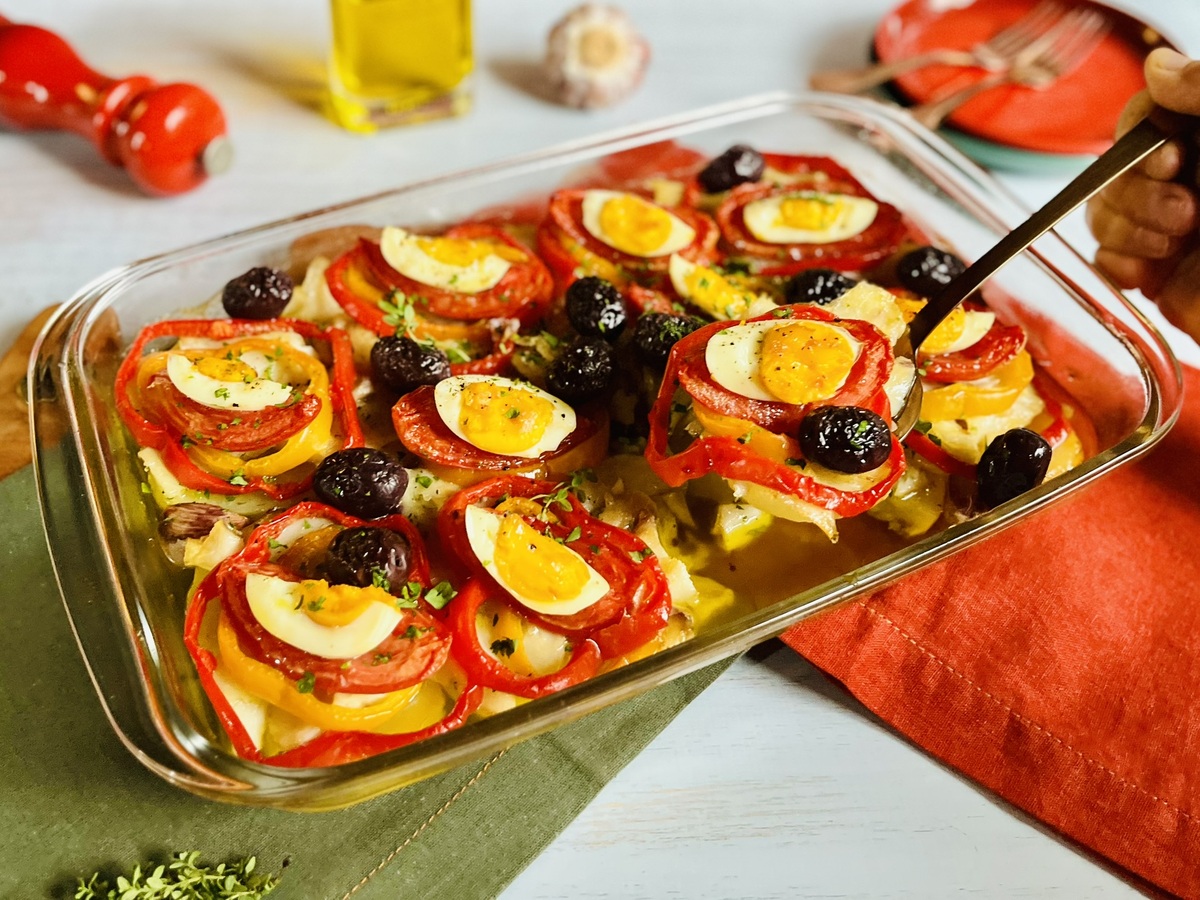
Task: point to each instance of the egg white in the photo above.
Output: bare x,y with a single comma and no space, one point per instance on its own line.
976,324
680,235
764,219
253,395
403,253
483,527
447,398
273,602
734,357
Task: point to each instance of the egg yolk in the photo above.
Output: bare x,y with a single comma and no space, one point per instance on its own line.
809,212
949,330
534,565
223,369
715,294
462,252
803,362
502,419
632,225
334,605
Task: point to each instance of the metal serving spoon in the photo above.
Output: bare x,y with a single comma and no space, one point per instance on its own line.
1142,140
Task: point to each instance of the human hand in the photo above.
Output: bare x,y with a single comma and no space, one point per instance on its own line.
1147,222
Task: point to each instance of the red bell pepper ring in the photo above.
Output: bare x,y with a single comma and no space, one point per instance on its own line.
523,293
335,748
483,668
330,748
853,254
370,315
928,449
729,458
999,345
864,385
170,442
638,603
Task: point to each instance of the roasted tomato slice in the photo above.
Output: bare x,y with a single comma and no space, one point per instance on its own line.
421,430
764,459
565,225
411,653
854,252
998,346
863,385
523,292
637,603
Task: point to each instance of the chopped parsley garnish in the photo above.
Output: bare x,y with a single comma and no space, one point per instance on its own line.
238,478
440,594
273,544
424,480
307,682
576,534
409,595
221,393
640,556
796,461
511,413
504,647
379,579
380,658
316,605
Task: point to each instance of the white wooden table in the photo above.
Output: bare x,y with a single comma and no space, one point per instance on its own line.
774,783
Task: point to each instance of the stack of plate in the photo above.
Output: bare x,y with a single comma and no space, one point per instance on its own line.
1055,129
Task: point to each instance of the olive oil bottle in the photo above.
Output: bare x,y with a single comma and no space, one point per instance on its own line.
395,62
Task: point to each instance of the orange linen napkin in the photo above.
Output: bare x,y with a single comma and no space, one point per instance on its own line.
1058,664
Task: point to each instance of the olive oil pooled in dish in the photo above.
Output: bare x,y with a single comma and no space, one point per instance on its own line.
396,62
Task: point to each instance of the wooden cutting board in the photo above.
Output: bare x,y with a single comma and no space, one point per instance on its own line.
14,410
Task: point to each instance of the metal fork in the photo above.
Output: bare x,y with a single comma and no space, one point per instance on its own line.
994,54
1062,48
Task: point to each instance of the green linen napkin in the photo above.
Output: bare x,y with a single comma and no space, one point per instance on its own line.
74,800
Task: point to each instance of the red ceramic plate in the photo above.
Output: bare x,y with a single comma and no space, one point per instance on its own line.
1075,115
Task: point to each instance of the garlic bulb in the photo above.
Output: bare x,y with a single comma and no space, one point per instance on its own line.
595,57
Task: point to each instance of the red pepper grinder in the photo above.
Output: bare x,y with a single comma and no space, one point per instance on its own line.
169,137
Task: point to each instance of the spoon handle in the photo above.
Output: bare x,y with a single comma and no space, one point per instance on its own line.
1143,139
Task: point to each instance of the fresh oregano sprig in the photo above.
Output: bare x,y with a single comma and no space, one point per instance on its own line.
182,879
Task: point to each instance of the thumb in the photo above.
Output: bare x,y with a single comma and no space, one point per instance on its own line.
1174,81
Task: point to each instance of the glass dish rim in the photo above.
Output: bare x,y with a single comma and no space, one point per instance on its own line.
213,771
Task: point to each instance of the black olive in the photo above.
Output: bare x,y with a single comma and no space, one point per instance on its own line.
1013,463
656,333
582,371
367,556
927,270
261,293
735,166
401,364
595,308
362,482
845,438
817,286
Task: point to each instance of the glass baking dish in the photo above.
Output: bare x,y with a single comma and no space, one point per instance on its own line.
125,602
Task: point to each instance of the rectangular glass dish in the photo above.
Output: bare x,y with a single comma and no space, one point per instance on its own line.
125,600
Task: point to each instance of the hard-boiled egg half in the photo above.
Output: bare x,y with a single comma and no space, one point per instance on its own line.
455,264
334,621
782,360
542,574
808,217
634,225
502,415
714,293
245,381
958,331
